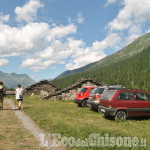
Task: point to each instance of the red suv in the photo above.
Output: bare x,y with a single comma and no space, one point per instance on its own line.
82,96
125,103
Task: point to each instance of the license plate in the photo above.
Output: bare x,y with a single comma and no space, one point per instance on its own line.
102,110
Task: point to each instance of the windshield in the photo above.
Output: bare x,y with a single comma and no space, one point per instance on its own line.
98,91
108,95
83,90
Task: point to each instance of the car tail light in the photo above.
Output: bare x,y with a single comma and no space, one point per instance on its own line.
97,97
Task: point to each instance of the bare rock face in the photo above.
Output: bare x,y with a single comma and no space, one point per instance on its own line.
70,92
42,88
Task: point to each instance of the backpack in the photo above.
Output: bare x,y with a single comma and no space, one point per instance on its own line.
1,90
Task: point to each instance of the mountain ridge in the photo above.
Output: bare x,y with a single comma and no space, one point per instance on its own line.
11,80
131,49
129,67
70,72
132,73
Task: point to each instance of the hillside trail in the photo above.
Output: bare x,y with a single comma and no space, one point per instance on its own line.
42,138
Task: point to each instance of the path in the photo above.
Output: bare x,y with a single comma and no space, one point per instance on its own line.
26,122
12,134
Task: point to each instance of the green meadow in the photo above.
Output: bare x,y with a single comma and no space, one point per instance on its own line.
66,118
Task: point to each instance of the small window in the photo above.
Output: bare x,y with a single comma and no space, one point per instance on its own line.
125,96
141,96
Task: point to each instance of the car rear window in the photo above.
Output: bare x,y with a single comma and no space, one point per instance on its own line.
83,90
98,91
108,95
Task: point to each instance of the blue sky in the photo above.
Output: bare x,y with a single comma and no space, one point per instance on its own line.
43,38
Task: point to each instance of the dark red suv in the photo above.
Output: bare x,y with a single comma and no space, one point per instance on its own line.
125,103
82,96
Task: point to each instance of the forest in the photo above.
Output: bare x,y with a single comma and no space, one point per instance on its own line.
133,73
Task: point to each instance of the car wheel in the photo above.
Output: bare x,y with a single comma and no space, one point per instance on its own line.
121,115
84,103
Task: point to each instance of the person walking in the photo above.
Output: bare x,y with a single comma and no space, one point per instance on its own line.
2,94
19,95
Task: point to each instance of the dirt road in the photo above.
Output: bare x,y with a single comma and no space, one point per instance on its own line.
17,130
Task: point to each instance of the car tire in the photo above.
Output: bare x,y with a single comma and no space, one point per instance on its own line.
121,115
84,103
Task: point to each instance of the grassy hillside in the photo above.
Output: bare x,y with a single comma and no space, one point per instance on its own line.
131,50
132,72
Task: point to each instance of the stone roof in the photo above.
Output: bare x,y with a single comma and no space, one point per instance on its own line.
78,84
42,82
39,84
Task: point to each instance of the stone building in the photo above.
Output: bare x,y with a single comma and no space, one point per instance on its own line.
43,88
70,92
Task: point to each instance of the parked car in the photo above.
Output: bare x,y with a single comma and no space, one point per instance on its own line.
82,96
125,103
96,94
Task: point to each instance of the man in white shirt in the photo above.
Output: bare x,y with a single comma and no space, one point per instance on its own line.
19,95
